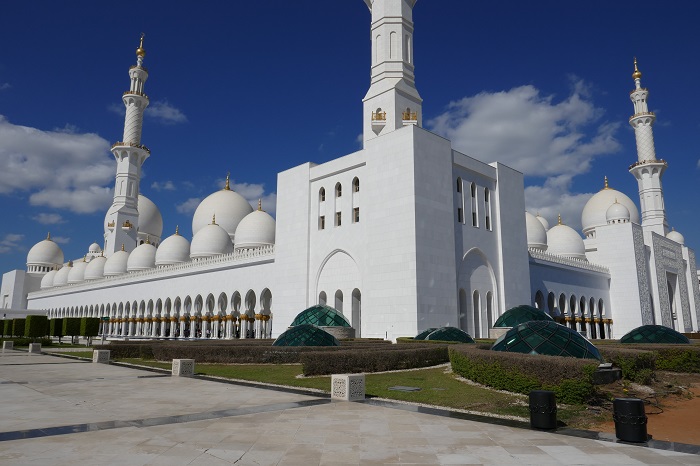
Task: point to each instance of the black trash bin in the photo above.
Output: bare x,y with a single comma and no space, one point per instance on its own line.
543,410
630,420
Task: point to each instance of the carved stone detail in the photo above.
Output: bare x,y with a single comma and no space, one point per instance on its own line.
642,276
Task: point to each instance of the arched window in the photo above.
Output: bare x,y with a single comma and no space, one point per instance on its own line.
477,314
339,301
539,300
322,299
321,194
356,185
338,190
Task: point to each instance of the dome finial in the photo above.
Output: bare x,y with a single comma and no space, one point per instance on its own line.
122,246
228,182
148,239
260,205
48,236
141,52
70,263
637,74
177,230
605,183
559,222
213,219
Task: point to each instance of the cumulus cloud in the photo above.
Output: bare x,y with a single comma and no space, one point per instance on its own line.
254,192
554,198
4,86
189,206
536,134
159,110
11,242
48,219
60,239
60,168
163,186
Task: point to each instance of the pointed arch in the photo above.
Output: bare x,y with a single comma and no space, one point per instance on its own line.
476,274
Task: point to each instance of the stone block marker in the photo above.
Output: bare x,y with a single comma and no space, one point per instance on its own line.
100,356
8,345
34,348
348,387
183,367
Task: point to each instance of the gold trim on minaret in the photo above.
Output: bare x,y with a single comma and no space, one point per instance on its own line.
141,52
637,74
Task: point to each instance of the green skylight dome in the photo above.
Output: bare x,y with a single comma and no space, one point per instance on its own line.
450,334
546,337
654,334
424,333
517,315
321,316
306,335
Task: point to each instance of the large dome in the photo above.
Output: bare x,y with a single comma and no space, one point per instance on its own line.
536,233
47,280
320,315
150,219
562,240
141,258
95,268
77,273
229,208
594,213
212,240
174,249
45,253
519,314
116,263
61,277
546,337
255,230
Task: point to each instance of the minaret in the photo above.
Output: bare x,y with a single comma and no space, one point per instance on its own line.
392,100
122,220
648,169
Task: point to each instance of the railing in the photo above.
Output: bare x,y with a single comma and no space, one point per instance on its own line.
135,93
642,114
131,144
409,116
378,116
579,263
644,162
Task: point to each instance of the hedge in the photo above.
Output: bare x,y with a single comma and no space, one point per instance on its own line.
353,361
569,378
89,326
36,326
674,358
71,326
26,341
18,327
7,327
56,328
637,365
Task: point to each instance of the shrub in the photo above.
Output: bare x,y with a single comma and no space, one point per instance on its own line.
18,327
56,328
571,379
89,326
26,341
71,326
637,365
678,358
36,326
7,327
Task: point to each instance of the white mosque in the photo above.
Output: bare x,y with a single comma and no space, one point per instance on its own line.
400,236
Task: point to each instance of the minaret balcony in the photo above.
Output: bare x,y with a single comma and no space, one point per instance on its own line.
111,225
135,93
126,226
378,121
131,144
409,118
641,114
649,162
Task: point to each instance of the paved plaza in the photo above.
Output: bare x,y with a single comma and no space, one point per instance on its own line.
63,411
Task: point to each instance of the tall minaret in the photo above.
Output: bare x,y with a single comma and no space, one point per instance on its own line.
648,169
392,100
122,219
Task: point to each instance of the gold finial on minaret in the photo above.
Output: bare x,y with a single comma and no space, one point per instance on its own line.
213,219
637,74
260,205
122,246
141,52
228,182
177,230
559,222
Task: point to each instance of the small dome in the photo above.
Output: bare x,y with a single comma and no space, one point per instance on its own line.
617,213
450,334
61,277
422,335
116,264
150,219
45,253
141,258
519,314
255,230
546,337
306,335
654,334
77,273
543,221
212,240
229,208
673,235
595,211
321,316
96,268
174,249
94,248
562,240
47,280
536,233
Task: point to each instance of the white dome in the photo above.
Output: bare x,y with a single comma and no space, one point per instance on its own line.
617,213
150,219
77,273
116,264
594,213
142,258
543,221
536,234
45,253
47,280
255,230
229,208
673,235
562,240
94,248
95,268
174,249
61,277
212,240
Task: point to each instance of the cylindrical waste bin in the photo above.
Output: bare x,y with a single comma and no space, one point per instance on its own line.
630,419
543,410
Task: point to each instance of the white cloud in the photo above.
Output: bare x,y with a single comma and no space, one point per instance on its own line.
254,192
4,86
159,110
60,239
163,186
537,135
11,243
189,206
60,168
48,219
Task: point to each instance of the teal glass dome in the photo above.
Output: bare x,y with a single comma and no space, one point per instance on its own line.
306,335
519,314
546,337
654,334
321,316
450,334
424,333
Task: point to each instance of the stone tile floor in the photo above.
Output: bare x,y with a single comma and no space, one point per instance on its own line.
61,411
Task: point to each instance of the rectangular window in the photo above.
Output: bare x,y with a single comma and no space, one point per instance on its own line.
475,220
322,222
460,215
356,215
338,219
488,223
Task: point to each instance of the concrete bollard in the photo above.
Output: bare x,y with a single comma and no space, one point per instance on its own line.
100,356
183,367
34,348
8,345
348,387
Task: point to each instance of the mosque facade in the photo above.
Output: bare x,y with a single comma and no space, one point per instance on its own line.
450,244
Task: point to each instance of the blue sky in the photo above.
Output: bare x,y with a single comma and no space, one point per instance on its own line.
255,88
